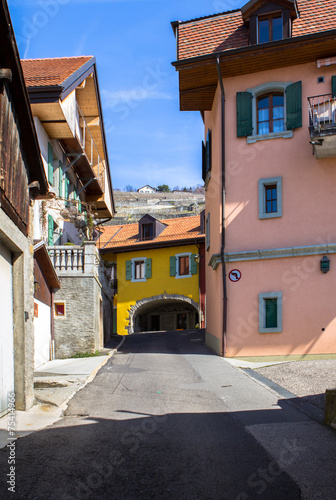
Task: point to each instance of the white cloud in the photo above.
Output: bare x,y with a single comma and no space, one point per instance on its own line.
134,95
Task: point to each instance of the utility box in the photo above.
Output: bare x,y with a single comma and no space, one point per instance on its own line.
330,408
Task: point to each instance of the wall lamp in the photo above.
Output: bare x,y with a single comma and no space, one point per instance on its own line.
325,264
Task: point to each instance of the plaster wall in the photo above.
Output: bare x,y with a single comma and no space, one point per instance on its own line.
42,337
161,282
309,204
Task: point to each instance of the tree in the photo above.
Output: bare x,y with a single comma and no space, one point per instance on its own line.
129,189
164,188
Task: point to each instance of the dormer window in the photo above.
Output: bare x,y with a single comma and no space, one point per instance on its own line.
150,228
147,231
270,28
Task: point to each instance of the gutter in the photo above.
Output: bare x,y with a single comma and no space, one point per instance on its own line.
223,339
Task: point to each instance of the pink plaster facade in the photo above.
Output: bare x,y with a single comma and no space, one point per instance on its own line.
308,219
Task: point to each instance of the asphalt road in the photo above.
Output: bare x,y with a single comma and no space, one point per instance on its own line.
159,422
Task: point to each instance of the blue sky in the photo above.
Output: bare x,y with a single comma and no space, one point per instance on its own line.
149,140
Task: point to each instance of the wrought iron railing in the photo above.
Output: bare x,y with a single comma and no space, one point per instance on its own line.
322,115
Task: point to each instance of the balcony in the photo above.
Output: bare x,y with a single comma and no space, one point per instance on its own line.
322,125
73,260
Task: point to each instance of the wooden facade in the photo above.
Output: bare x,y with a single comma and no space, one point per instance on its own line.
14,194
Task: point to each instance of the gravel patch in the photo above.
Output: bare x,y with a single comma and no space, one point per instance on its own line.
305,379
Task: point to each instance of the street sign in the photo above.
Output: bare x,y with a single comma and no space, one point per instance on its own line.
235,275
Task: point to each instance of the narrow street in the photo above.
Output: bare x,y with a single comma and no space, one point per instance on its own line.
167,419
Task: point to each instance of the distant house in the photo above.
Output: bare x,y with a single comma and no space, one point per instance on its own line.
65,100
158,271
22,178
147,189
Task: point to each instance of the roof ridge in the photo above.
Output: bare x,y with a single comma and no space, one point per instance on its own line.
53,58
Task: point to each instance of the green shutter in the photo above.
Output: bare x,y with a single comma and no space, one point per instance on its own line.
193,264
148,268
66,187
60,179
208,152
79,204
271,311
294,105
203,161
50,231
128,270
50,164
173,266
333,85
244,114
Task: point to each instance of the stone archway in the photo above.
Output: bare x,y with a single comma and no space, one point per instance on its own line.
157,301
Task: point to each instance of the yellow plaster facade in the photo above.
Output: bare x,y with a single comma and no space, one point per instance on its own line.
129,292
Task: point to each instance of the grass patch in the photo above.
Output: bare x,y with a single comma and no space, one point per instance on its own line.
86,354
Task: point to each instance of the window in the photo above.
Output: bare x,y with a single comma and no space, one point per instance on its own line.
270,113
270,28
59,309
138,269
147,232
183,265
206,158
270,312
270,198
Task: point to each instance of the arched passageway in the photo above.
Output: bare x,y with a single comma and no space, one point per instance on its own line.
163,313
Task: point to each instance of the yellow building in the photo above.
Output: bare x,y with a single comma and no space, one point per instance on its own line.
155,271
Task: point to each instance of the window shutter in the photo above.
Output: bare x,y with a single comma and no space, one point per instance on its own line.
294,105
66,187
148,268
50,231
50,164
207,232
203,161
60,180
208,152
333,85
173,266
244,114
128,270
193,264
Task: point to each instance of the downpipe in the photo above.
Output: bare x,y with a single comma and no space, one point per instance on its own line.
225,299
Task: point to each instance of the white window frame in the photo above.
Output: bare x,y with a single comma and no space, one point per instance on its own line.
138,259
185,254
262,201
262,312
256,92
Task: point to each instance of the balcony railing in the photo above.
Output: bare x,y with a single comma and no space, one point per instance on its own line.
322,115
67,258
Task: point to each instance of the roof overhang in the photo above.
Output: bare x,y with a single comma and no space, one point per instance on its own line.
42,256
198,76
153,245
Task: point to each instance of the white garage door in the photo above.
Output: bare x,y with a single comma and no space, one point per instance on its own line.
6,328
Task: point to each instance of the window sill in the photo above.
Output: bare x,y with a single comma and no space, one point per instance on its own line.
183,276
270,330
272,215
133,280
286,134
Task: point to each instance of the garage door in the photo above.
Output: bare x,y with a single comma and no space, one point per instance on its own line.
6,334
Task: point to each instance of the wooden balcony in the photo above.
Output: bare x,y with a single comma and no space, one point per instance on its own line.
322,125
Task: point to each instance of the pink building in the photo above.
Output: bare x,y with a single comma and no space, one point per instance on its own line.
264,79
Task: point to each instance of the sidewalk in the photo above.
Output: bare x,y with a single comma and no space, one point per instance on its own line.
55,383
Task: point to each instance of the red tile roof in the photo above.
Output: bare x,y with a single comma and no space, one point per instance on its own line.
183,228
227,30
47,72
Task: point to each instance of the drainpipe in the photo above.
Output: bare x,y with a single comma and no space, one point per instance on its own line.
223,339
